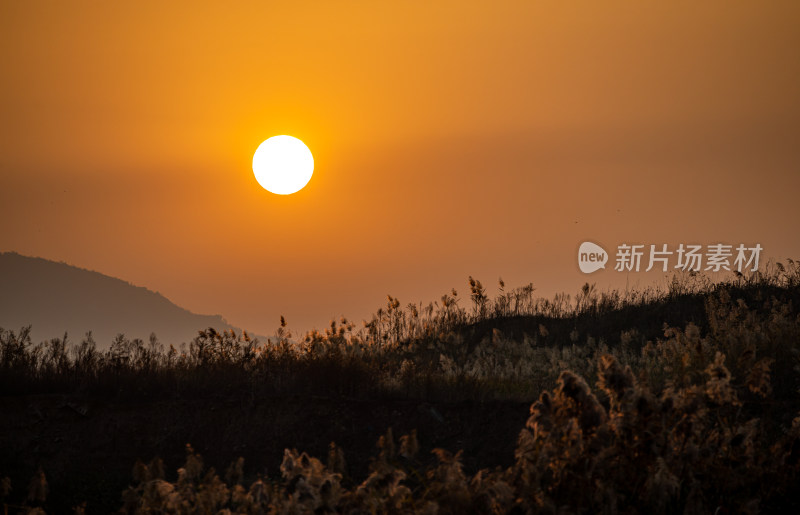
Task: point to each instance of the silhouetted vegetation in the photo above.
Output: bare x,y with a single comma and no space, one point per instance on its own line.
682,399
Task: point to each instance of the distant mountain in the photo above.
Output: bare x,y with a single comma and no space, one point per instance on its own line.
56,297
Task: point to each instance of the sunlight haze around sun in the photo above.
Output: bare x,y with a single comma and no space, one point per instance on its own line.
283,165
449,139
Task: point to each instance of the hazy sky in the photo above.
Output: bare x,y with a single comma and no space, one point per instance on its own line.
450,139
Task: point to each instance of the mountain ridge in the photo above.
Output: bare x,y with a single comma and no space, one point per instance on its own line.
56,297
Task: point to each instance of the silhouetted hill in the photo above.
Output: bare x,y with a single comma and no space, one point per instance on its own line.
57,297
578,405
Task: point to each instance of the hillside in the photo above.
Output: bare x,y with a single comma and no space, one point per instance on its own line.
55,298
677,401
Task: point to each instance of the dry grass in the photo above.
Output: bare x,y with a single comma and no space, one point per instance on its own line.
703,418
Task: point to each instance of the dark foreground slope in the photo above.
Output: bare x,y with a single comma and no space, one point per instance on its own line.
55,298
590,408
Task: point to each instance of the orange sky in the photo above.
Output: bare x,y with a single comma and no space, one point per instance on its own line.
450,139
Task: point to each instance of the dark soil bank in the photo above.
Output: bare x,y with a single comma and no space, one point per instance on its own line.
87,449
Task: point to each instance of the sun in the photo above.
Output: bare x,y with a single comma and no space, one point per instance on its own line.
283,165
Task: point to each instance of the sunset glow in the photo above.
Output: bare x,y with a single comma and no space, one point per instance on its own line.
541,252
449,139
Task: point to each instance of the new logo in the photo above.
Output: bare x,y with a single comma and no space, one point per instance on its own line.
591,257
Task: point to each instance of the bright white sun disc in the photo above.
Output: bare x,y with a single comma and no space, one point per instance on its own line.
283,165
